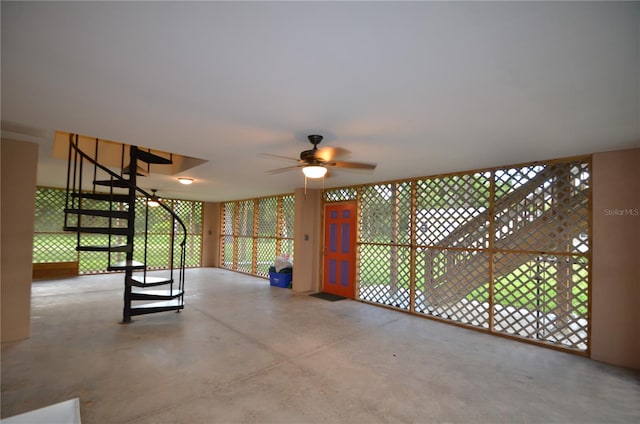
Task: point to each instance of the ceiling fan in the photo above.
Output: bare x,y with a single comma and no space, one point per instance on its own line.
314,162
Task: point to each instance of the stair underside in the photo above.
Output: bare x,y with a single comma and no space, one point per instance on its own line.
140,172
150,308
113,183
149,157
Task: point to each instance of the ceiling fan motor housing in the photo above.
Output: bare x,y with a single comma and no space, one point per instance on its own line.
309,156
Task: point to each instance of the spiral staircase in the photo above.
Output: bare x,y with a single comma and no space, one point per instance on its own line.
100,208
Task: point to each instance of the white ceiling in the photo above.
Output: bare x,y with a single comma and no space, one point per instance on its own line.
421,88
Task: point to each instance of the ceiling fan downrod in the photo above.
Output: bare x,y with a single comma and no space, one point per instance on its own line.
315,139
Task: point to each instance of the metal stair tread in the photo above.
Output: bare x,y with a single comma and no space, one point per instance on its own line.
98,212
156,294
150,308
123,265
102,196
141,281
163,304
98,230
113,248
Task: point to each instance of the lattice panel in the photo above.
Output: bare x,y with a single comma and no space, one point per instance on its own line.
511,179
96,221
190,213
160,226
255,251
540,208
228,218
158,218
581,184
542,297
245,218
266,255
267,230
268,217
543,208
50,243
453,211
453,284
96,262
386,213
245,254
193,251
54,248
227,252
286,247
288,215
48,211
158,250
340,195
385,275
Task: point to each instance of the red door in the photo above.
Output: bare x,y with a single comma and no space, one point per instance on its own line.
339,248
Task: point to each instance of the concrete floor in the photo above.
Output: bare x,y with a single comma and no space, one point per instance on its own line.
243,351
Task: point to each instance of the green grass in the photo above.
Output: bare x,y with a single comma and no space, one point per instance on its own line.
61,247
519,288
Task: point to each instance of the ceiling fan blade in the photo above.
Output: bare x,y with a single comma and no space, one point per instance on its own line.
285,169
268,155
329,153
353,165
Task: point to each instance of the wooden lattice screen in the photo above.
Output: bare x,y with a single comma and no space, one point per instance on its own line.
504,250
255,231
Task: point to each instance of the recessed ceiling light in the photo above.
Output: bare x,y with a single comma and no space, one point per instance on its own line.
185,181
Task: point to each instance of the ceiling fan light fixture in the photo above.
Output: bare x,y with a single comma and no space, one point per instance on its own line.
185,180
314,171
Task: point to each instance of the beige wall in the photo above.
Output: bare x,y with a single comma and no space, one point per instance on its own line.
211,234
615,307
18,182
307,240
